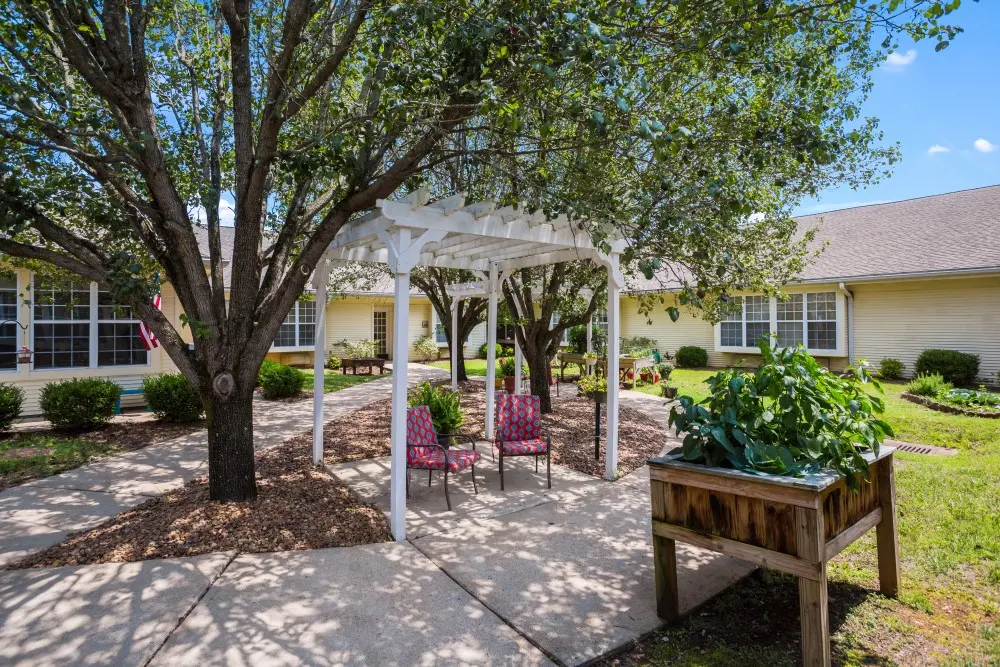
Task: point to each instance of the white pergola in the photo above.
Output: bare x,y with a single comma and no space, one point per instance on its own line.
479,237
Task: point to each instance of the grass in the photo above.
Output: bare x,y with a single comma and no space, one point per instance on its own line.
53,455
473,367
335,380
948,611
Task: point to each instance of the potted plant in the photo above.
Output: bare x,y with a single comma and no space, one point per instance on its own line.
594,386
668,391
508,371
445,407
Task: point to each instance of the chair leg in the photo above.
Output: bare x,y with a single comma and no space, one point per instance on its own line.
501,471
429,473
548,465
476,488
447,499
536,462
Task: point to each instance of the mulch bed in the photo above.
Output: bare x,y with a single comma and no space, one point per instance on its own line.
298,507
364,434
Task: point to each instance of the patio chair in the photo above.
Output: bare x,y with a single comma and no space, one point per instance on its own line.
424,452
519,432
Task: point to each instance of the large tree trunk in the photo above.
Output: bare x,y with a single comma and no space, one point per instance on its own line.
462,375
230,444
538,362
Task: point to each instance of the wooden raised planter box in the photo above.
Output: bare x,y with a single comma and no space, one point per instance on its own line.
790,524
355,364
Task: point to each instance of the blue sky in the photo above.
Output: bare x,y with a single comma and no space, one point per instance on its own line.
948,100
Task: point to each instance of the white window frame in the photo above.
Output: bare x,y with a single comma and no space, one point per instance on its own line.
310,345
435,323
92,322
553,321
837,351
18,332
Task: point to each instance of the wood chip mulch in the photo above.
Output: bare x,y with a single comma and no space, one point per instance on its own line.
298,507
364,434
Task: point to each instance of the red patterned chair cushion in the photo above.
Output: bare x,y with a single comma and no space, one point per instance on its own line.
421,440
520,418
525,447
458,459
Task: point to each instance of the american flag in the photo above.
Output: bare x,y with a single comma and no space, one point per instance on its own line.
148,337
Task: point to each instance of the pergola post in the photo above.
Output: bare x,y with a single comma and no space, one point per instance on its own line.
590,334
321,276
491,350
518,362
400,320
615,282
454,343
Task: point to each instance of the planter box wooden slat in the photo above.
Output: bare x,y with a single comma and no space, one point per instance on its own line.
790,524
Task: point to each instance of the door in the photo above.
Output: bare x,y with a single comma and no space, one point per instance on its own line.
380,332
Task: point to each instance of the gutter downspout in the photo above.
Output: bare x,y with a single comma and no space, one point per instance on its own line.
850,321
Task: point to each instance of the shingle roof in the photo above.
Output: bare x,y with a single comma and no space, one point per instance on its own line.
935,235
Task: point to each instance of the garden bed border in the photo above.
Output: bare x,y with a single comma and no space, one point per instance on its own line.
944,407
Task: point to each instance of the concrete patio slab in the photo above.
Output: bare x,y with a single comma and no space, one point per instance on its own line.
426,510
380,604
117,614
576,577
33,517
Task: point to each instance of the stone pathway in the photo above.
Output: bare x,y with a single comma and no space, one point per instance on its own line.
42,513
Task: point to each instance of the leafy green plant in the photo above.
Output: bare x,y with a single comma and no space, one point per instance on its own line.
639,346
481,353
691,356
280,381
361,349
426,347
333,362
172,398
506,367
592,384
664,369
790,416
578,338
972,398
890,369
445,406
959,368
80,403
11,403
932,385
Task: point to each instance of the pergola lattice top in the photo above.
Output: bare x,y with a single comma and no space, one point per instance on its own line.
460,236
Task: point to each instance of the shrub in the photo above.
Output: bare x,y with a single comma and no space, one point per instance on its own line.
172,398
482,351
11,402
280,381
80,403
790,416
639,346
932,385
333,362
691,356
426,348
362,349
960,368
445,406
890,369
578,338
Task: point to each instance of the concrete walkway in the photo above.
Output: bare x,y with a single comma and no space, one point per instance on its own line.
39,514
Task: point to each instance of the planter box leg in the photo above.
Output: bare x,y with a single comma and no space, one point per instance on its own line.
813,600
887,532
665,578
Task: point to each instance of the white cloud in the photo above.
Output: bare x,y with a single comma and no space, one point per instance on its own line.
938,148
898,61
983,146
227,213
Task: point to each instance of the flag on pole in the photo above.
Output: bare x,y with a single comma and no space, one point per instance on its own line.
147,335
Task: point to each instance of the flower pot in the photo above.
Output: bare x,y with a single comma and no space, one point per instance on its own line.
668,391
498,383
599,396
509,383
644,377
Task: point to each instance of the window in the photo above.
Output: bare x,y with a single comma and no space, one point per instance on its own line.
62,324
809,319
9,330
790,321
556,317
822,320
299,328
440,335
118,340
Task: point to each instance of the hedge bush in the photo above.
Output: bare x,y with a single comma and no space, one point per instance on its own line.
482,351
890,369
426,347
81,403
691,356
280,381
333,362
172,398
959,368
11,402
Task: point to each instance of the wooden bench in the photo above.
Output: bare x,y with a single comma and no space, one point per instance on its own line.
371,363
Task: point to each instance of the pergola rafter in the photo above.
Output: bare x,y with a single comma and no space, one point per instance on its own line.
449,233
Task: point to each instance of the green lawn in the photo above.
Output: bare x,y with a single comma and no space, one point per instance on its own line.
34,456
473,367
949,530
335,380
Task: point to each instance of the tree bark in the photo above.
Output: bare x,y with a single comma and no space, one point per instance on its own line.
462,375
538,361
230,444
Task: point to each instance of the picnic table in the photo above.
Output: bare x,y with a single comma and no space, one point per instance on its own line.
371,363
